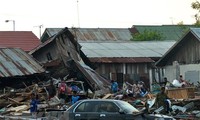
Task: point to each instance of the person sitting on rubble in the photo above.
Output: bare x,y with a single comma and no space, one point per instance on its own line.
135,89
35,88
168,84
183,82
62,92
142,89
114,86
51,90
74,87
162,100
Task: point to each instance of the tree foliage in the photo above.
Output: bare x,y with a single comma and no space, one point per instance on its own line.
148,35
196,6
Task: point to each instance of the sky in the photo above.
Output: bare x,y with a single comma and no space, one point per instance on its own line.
30,14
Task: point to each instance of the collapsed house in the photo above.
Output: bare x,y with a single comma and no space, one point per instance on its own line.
115,56
62,57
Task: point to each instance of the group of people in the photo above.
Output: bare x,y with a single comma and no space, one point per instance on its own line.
137,89
61,91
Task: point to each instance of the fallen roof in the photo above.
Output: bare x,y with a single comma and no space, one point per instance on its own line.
25,40
16,62
92,77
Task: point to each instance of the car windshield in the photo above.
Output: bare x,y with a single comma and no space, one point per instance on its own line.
128,108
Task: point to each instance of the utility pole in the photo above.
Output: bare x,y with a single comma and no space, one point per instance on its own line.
78,14
40,27
13,23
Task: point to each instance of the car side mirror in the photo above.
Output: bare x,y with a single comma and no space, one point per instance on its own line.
121,111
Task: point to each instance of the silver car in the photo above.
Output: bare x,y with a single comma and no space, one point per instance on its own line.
106,109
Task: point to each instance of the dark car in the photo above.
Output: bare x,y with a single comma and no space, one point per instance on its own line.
104,109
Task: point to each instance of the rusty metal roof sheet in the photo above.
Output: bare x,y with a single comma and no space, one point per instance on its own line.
16,62
125,49
102,34
122,60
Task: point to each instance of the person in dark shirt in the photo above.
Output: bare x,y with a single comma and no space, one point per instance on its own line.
51,90
162,100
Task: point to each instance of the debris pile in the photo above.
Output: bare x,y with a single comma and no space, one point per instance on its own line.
15,103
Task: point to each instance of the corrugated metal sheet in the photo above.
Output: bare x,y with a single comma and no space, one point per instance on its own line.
95,34
93,78
102,34
122,60
53,31
16,62
126,49
196,32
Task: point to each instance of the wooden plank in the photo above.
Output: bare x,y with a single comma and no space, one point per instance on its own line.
19,108
107,96
15,101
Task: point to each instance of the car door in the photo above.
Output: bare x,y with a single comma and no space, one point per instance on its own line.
86,111
109,111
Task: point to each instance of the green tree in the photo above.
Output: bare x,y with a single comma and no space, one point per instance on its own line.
196,6
147,35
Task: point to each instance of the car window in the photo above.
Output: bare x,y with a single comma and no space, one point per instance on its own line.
128,108
108,107
90,106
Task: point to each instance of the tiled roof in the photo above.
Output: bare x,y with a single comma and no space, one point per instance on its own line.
25,40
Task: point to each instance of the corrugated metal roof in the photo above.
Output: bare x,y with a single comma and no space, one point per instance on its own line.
25,40
102,34
96,34
125,49
196,32
53,31
16,62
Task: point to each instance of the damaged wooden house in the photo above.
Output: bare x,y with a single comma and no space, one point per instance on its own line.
62,56
115,56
